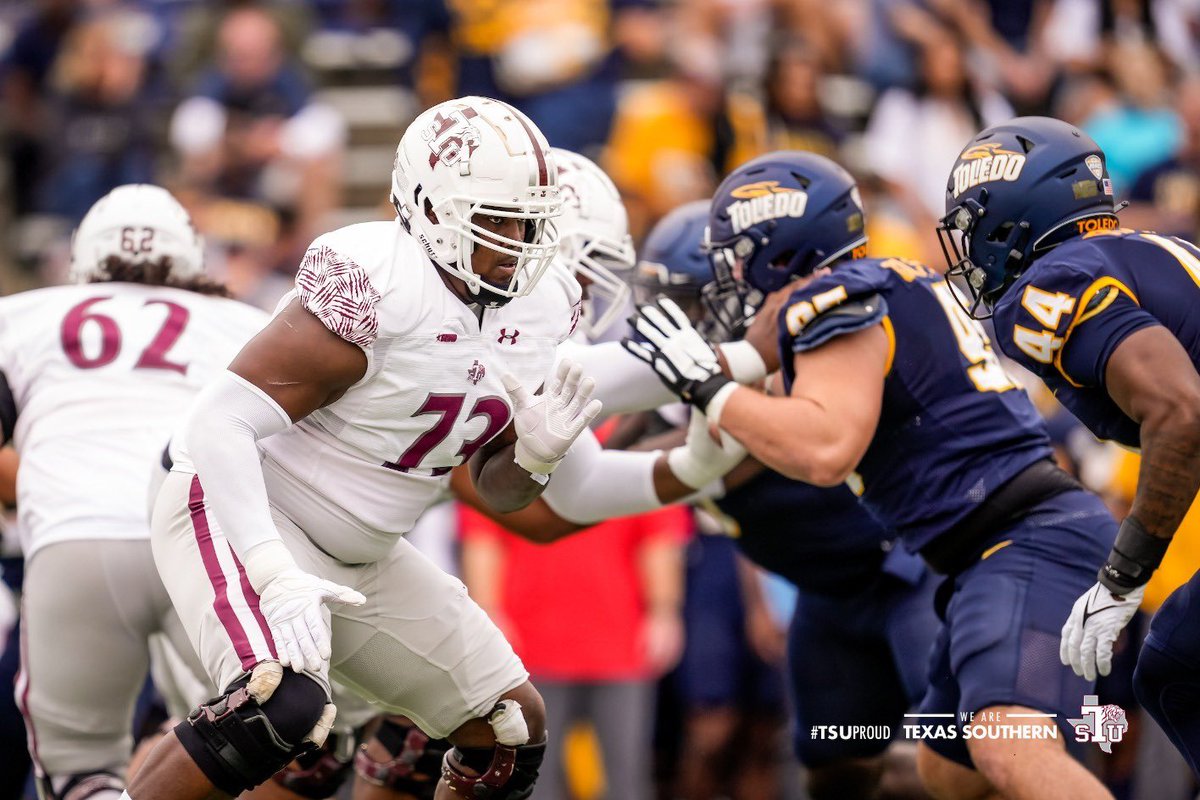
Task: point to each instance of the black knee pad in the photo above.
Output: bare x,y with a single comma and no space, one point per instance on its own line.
239,744
503,772
319,774
416,763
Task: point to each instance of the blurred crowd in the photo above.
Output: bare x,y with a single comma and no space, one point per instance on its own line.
276,121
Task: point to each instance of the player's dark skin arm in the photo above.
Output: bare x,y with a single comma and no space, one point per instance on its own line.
539,523
498,480
1152,378
536,521
299,362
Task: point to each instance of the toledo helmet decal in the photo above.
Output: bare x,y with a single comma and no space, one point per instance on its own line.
764,200
984,163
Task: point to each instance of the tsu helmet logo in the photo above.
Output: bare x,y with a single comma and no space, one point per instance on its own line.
764,200
985,163
476,372
1100,724
453,139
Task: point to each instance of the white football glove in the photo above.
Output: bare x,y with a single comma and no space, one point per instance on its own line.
291,602
702,459
548,424
681,357
1095,622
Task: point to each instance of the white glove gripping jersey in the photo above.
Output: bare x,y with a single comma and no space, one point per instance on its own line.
101,373
371,462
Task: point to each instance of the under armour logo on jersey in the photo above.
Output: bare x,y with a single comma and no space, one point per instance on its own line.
447,337
476,372
505,336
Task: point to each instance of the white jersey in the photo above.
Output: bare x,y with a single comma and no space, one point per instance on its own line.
101,374
356,474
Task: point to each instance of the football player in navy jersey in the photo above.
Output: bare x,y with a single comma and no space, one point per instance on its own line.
865,606
1107,318
894,389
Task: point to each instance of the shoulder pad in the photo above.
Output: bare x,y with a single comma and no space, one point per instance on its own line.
811,323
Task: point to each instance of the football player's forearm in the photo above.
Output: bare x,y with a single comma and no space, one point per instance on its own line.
1151,378
1169,476
1167,482
792,435
536,522
227,419
504,485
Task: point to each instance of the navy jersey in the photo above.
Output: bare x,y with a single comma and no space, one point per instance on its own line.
822,540
954,426
1066,315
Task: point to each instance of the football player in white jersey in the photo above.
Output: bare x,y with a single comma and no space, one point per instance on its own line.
406,348
93,377
400,761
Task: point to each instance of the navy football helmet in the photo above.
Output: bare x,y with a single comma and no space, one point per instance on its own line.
775,219
1017,190
672,260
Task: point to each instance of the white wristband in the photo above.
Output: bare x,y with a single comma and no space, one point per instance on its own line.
745,363
265,560
717,404
538,470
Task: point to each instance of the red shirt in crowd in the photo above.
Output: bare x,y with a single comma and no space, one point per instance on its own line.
576,607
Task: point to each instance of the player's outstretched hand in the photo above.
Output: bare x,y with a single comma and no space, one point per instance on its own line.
291,603
681,357
1094,624
548,424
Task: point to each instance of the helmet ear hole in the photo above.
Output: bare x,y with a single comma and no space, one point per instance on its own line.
1001,233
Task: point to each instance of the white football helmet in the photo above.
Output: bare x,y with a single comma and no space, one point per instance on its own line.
475,155
138,223
594,237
